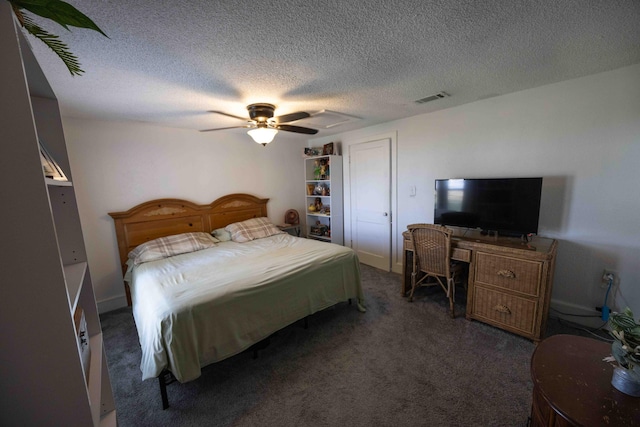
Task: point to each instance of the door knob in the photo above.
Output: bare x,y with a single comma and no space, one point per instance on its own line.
385,214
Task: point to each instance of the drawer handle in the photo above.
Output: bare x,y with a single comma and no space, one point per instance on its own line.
507,273
501,308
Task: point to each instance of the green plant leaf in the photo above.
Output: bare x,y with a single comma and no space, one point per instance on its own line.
52,41
61,12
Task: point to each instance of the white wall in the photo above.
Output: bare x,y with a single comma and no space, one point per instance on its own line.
582,136
117,165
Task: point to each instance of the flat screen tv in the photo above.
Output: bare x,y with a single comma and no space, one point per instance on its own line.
508,206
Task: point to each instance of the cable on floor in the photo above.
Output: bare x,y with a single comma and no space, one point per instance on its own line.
587,330
574,315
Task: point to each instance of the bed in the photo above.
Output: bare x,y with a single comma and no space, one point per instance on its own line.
200,307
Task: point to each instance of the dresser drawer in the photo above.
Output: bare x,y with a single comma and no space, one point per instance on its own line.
459,254
502,309
515,274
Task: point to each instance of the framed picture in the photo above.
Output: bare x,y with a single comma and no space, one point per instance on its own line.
327,149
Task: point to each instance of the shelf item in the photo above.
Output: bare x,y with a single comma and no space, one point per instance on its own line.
50,167
54,369
82,334
323,198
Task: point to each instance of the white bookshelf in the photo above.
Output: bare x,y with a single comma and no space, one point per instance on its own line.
324,224
44,263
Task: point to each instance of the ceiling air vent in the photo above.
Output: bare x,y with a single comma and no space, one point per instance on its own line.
326,119
438,95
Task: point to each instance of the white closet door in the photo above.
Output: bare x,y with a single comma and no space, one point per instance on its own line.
370,184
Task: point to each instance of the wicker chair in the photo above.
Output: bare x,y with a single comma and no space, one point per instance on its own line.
432,256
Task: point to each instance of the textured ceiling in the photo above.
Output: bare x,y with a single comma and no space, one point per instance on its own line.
168,62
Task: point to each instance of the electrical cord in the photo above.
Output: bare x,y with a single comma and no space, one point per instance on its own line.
574,315
587,330
605,308
604,316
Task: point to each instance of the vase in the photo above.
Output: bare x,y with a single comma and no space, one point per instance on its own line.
623,381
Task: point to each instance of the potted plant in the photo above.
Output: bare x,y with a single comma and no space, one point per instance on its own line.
60,12
625,350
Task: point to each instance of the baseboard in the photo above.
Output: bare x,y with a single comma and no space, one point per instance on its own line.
397,268
111,304
579,312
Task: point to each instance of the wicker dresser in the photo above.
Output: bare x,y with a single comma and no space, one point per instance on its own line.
510,281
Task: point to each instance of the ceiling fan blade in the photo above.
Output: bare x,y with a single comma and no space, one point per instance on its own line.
229,115
297,129
291,117
232,127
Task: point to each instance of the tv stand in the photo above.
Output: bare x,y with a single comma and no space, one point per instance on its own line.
510,279
494,233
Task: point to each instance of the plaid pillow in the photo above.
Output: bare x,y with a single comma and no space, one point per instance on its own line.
171,245
251,229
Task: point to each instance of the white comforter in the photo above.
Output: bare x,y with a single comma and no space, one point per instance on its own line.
195,309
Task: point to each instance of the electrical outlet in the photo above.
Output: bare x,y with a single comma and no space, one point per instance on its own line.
606,276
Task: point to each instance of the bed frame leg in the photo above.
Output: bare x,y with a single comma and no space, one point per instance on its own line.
349,301
163,391
260,345
165,378
306,322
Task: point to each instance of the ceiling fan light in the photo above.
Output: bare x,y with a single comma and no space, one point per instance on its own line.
263,135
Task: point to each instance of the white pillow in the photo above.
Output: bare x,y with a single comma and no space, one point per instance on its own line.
221,235
251,229
164,247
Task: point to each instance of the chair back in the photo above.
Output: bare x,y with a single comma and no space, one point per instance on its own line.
432,248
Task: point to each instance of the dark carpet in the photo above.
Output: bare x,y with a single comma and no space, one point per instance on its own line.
398,364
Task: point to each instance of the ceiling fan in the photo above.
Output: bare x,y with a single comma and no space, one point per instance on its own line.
264,126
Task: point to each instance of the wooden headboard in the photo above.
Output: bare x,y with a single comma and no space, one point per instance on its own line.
164,217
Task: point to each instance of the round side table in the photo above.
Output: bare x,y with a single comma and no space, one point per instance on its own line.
572,386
